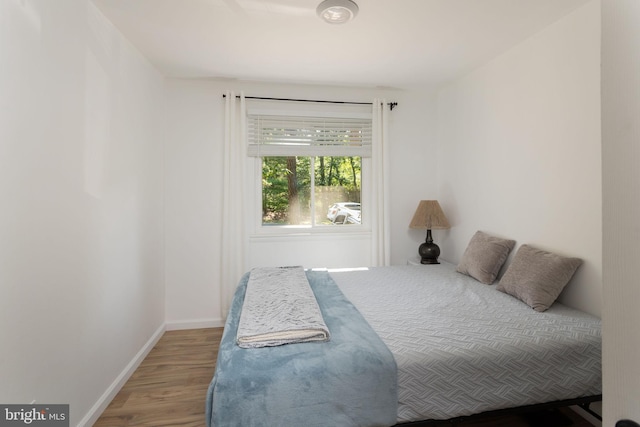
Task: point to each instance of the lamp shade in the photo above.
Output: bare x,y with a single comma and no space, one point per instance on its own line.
429,216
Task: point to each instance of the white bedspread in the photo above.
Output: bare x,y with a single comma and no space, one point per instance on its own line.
463,347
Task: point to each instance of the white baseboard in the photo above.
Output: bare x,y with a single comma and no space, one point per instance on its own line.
98,408
194,324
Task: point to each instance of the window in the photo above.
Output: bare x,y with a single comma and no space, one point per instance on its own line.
311,169
311,190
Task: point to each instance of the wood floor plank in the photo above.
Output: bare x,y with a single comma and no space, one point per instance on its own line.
169,389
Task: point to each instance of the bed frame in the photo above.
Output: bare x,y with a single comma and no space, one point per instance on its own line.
583,402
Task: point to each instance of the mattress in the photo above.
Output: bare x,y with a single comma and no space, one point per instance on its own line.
462,347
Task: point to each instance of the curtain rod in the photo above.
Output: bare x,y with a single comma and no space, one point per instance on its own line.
391,105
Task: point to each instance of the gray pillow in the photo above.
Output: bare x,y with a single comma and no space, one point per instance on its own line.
537,277
484,256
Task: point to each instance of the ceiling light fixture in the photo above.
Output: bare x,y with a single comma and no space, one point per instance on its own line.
337,11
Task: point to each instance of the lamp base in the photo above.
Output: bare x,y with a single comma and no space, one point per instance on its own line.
429,261
429,251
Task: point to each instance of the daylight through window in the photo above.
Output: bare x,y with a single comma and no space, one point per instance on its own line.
311,168
312,191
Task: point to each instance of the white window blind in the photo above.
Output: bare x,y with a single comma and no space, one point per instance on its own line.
276,135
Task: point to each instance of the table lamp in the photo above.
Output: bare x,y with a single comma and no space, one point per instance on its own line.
429,216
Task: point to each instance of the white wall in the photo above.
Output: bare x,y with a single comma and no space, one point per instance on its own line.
194,188
81,247
621,200
193,194
519,150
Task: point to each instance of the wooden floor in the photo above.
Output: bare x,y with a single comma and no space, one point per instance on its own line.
170,386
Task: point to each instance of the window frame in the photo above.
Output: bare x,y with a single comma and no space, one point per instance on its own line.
366,182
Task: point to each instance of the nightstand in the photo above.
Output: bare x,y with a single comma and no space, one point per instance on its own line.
414,261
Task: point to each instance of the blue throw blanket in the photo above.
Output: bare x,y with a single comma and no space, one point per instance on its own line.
348,381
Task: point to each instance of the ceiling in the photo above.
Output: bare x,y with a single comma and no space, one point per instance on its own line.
390,44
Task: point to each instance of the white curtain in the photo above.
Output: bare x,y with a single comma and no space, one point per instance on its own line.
233,232
380,234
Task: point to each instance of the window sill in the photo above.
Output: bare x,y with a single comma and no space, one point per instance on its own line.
292,233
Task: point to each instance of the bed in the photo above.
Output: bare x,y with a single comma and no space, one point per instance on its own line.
414,343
